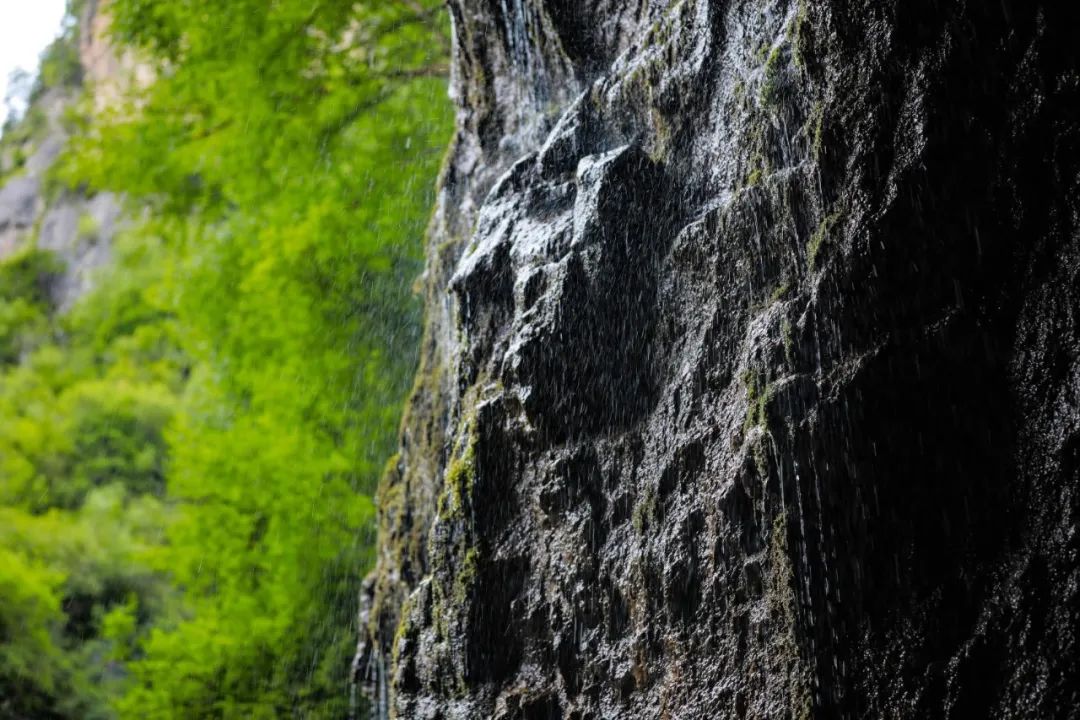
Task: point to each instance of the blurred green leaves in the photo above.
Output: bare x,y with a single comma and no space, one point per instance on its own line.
188,454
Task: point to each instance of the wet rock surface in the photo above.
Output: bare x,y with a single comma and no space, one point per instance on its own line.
751,372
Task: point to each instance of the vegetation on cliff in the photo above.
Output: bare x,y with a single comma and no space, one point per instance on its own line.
188,453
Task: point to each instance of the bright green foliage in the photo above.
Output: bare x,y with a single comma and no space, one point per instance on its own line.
25,281
81,522
27,275
88,227
30,661
21,325
222,403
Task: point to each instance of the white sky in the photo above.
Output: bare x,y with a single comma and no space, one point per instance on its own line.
26,27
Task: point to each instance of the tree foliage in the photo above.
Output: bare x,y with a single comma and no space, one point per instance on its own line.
188,454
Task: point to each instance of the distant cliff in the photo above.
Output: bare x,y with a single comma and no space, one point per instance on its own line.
750,385
76,226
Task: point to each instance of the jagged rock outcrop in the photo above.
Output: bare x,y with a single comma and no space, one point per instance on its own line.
751,376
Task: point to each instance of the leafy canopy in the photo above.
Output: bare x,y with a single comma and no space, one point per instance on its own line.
193,445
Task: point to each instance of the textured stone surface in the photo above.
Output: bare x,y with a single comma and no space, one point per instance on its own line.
80,230
18,203
750,380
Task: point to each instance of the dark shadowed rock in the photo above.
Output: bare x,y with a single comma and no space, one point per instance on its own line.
751,376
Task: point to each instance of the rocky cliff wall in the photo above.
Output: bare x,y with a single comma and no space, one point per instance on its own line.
751,372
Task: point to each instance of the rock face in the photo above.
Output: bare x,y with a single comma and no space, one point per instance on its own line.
110,70
751,374
78,227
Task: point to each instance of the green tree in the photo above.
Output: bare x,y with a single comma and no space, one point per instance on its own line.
288,151
188,453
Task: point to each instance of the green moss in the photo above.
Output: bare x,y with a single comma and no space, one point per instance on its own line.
761,459
787,336
644,511
770,87
759,396
815,124
404,628
758,163
465,579
454,559
780,291
454,602
390,470
757,169
457,570
819,238
398,540
662,132
642,84
798,34
780,599
814,246
390,495
458,484
88,227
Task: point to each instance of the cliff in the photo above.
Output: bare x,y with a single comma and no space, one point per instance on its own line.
750,380
36,211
